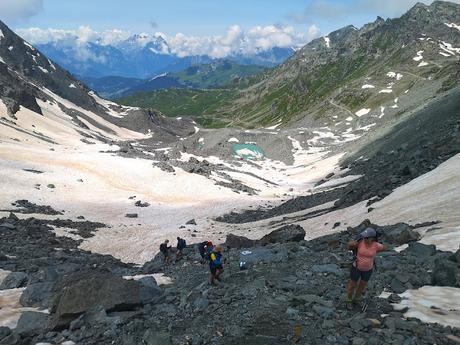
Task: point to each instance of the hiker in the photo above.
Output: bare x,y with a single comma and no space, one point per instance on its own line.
166,251
216,264
181,244
365,248
205,249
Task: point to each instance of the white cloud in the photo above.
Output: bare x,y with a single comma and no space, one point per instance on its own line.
235,40
19,9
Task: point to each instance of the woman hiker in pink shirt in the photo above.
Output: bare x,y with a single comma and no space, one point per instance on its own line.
366,248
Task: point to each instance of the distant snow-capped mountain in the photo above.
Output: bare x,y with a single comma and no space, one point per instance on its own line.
142,56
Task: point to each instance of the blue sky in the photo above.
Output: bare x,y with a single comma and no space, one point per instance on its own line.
215,28
198,17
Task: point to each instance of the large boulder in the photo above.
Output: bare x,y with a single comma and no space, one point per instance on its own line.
447,271
400,233
82,291
31,323
38,295
237,242
421,250
288,233
14,280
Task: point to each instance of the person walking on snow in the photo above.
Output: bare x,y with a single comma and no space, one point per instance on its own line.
365,248
166,251
216,264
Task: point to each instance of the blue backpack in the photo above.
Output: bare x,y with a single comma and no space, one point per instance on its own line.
218,259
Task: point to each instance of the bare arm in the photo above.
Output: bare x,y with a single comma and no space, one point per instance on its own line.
352,245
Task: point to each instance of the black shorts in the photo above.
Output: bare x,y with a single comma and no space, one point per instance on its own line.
356,274
215,268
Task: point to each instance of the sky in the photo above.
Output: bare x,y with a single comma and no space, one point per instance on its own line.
191,23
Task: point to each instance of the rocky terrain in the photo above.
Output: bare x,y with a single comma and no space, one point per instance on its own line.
290,291
90,188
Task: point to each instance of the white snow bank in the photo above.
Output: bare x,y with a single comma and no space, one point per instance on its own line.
196,129
72,86
382,112
28,45
1,34
349,118
10,48
394,75
44,70
367,86
386,91
248,152
448,48
419,56
275,126
453,25
363,112
233,140
422,64
432,304
327,40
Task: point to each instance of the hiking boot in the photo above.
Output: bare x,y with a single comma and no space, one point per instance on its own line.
349,304
358,300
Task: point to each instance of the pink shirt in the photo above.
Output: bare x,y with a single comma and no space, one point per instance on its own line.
366,255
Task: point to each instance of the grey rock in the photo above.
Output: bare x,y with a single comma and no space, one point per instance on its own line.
131,215
324,312
4,332
234,241
191,222
152,337
201,304
14,280
149,290
83,291
7,226
421,250
446,272
288,233
38,295
327,268
31,323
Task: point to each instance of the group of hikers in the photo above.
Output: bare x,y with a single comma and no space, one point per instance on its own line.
364,247
208,252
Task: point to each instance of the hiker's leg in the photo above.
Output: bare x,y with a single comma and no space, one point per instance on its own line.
361,287
351,289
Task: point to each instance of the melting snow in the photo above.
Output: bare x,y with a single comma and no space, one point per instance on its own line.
201,140
233,140
44,70
72,86
196,129
10,48
422,64
453,25
382,112
363,112
275,126
419,56
386,91
432,304
447,47
2,61
444,54
328,41
368,86
1,34
349,118
397,76
28,45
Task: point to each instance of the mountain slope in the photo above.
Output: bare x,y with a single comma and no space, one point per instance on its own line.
29,80
215,74
379,69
